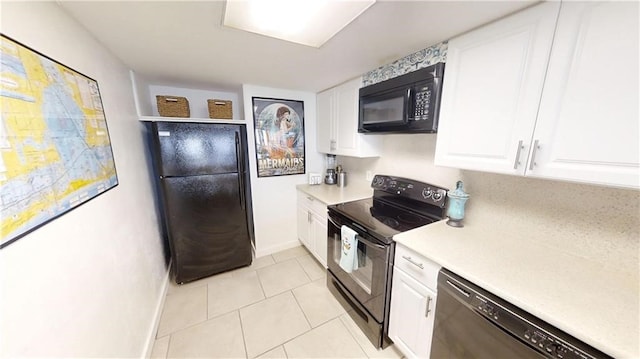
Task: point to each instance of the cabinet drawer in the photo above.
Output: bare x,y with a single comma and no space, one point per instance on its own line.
417,266
313,204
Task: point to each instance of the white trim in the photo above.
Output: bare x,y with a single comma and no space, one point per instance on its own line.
151,338
277,248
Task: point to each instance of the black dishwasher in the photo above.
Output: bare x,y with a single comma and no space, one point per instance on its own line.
473,323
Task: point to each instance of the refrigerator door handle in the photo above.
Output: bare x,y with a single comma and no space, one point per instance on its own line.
240,164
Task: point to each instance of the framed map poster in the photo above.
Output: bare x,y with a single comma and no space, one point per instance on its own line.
279,128
55,151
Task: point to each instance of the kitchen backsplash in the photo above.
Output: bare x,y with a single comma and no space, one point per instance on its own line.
585,216
423,58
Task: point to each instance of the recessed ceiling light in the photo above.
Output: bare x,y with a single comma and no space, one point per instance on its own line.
306,22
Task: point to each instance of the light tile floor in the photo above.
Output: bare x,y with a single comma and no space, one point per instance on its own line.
279,307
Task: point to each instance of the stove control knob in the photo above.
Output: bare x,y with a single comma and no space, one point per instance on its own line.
426,192
437,196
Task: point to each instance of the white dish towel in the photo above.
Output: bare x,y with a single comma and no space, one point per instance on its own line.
349,249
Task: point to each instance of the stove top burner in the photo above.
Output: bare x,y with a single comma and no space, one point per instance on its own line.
389,221
409,218
382,219
398,205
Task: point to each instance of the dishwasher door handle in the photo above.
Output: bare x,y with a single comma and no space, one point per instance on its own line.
460,290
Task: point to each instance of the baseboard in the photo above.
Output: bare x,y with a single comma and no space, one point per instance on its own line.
151,338
277,248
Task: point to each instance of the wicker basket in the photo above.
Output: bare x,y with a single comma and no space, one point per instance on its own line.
173,106
220,109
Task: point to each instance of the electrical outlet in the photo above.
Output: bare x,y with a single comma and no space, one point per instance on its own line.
369,176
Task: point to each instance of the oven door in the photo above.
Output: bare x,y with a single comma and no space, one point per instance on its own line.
370,284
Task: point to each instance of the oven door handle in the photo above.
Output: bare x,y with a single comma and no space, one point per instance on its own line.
360,238
334,222
370,244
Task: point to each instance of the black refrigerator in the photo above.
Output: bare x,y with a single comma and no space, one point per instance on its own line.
203,185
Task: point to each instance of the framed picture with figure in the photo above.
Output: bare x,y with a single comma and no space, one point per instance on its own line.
279,133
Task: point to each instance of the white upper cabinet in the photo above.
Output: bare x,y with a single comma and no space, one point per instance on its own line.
588,127
521,99
491,90
337,130
325,108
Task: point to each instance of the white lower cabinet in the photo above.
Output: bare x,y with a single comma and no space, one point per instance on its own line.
304,226
312,226
319,234
413,303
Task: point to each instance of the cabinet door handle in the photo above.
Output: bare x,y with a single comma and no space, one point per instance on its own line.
309,217
419,265
332,145
310,198
536,147
517,161
426,313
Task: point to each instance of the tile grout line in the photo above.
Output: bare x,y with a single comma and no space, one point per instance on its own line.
352,334
166,354
306,332
170,334
304,268
264,294
302,310
309,280
299,306
244,340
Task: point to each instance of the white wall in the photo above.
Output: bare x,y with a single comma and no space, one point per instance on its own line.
274,198
87,284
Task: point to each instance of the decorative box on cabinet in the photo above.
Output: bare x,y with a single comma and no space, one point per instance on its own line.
312,226
518,99
337,131
413,302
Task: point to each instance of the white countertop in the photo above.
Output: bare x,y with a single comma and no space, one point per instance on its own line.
595,302
332,194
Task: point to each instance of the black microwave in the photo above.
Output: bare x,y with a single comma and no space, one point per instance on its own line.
404,104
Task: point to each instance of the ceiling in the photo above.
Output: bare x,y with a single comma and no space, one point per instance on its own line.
183,43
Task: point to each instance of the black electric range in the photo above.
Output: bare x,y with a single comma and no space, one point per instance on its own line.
398,205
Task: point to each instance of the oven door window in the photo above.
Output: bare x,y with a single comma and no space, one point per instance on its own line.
368,282
362,276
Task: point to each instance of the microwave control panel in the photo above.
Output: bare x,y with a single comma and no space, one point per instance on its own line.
422,104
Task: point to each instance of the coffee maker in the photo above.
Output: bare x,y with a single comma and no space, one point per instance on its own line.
331,177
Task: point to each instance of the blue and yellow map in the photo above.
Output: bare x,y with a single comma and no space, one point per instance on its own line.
55,151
